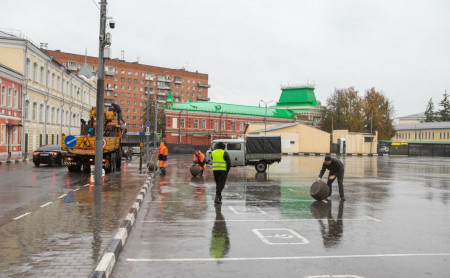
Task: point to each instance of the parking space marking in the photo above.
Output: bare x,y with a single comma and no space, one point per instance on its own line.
20,216
246,210
252,220
290,258
280,236
44,205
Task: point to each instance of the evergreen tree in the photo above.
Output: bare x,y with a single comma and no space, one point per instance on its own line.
444,113
429,112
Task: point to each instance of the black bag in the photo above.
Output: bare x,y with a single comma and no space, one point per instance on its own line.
201,163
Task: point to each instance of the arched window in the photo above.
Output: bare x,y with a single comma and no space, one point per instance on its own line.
47,112
58,83
41,112
42,75
53,115
28,69
27,110
58,119
16,98
67,118
74,120
34,111
53,81
35,67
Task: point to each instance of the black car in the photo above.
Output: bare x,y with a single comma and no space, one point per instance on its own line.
127,152
49,154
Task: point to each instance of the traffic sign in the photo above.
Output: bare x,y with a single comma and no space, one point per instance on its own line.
70,141
147,124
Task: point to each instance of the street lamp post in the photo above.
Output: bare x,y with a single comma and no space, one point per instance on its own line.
147,137
104,40
265,117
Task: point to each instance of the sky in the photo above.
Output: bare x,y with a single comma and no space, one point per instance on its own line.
250,48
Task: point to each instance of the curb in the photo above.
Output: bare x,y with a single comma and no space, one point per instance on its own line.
108,260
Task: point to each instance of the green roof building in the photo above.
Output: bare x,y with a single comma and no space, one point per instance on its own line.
197,123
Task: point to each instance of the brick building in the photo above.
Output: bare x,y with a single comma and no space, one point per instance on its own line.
199,123
10,113
126,84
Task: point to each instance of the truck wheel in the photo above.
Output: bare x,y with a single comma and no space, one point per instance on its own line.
261,166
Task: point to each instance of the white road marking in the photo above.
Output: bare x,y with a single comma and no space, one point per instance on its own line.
75,189
87,184
280,236
248,220
335,276
374,219
62,196
289,258
44,205
246,210
20,216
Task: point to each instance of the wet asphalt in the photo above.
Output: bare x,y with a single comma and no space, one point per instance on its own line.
395,222
54,223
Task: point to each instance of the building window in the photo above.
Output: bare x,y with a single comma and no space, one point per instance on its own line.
222,125
3,98
241,126
3,134
196,123
41,112
216,125
203,124
35,66
233,125
16,99
10,104
33,112
27,110
182,123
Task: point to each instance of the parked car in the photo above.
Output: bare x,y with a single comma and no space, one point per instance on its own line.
49,154
384,149
127,152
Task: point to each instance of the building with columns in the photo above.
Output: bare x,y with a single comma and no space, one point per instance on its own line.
54,99
198,123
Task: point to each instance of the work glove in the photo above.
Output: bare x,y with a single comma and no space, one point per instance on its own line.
332,177
318,179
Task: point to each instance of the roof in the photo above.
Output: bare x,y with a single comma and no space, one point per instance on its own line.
297,96
280,126
216,107
414,116
420,126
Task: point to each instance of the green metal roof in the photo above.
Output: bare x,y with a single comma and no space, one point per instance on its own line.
297,96
216,107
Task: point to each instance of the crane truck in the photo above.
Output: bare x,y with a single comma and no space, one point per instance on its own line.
81,148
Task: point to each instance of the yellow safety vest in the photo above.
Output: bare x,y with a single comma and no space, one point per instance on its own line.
219,164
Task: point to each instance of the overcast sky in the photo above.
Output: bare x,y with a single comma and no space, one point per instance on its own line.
251,47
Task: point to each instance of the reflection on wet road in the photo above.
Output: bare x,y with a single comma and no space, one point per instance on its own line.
54,222
395,220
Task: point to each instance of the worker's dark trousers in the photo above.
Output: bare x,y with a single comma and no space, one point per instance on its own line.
221,178
340,177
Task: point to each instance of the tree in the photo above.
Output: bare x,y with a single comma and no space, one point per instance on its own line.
444,113
383,111
344,110
429,112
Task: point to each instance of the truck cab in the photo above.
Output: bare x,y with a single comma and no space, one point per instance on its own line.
235,149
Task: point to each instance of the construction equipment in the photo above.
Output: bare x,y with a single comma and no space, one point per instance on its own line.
81,148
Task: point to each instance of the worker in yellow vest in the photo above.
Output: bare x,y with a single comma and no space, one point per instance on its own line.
221,164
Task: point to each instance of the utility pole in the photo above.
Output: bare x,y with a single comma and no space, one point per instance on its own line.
265,117
371,133
147,136
100,92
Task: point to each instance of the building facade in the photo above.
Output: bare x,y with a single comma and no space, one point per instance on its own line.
54,99
127,85
201,122
10,114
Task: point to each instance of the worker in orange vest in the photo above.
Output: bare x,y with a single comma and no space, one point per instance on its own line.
199,158
162,157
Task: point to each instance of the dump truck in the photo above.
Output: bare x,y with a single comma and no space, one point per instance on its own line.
259,151
81,148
